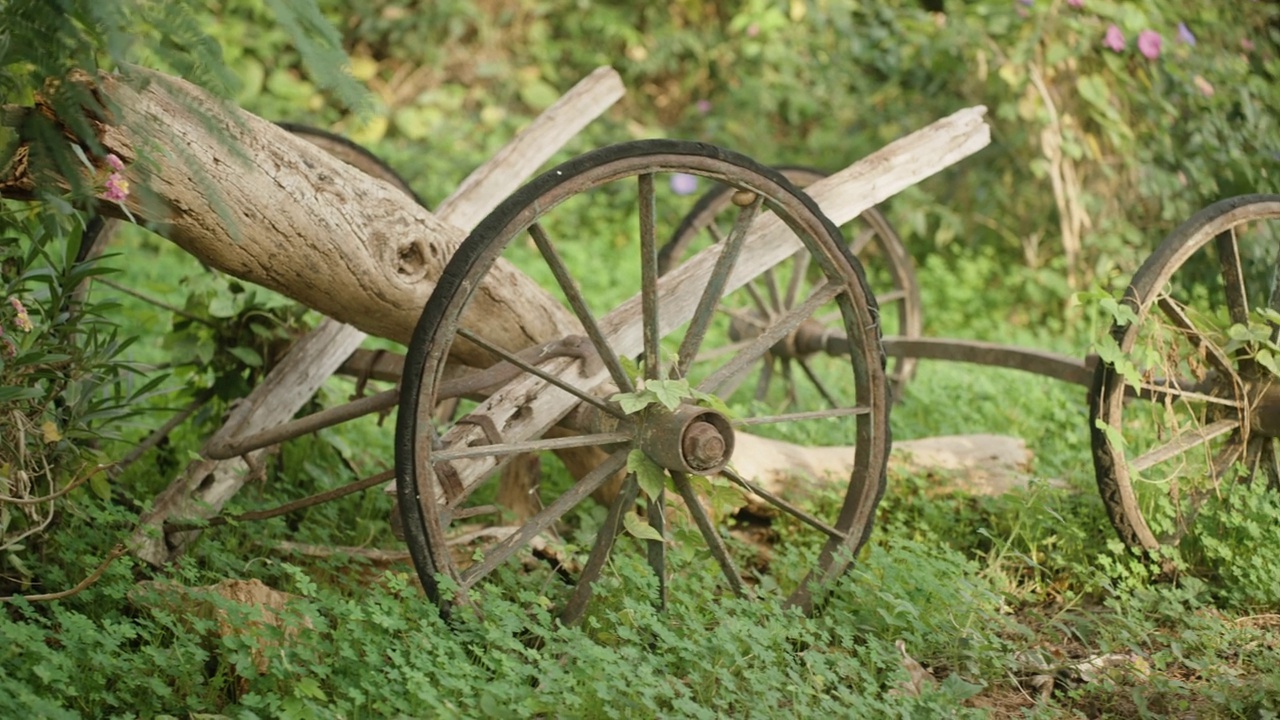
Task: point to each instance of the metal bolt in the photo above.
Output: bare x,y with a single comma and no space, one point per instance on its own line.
702,445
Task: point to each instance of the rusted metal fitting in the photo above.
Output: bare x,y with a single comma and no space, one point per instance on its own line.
692,440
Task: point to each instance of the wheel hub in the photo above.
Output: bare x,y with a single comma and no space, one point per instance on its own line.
808,339
692,439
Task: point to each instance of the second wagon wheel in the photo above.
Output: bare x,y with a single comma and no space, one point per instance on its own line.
1186,404
631,400
872,240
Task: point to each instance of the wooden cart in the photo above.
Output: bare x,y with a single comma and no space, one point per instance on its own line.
647,368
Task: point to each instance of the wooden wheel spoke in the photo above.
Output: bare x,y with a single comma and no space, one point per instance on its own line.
561,443
744,316
861,241
1182,443
649,279
656,550
1189,509
605,538
893,296
817,383
761,304
1270,464
533,370
762,381
715,543
723,350
1177,315
788,379
1166,391
801,416
1232,276
784,326
579,306
770,280
785,506
798,271
715,287
499,552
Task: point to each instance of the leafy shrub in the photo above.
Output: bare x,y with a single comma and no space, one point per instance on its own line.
64,383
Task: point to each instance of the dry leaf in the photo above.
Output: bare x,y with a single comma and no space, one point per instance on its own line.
918,678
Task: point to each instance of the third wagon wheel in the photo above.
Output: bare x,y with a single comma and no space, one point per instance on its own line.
1186,407
890,271
620,394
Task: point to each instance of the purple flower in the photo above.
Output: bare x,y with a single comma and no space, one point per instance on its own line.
703,106
684,184
1184,34
1114,39
21,319
1149,44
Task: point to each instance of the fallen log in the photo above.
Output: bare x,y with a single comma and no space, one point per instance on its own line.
980,464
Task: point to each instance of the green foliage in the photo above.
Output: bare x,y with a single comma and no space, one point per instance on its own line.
229,334
64,383
42,44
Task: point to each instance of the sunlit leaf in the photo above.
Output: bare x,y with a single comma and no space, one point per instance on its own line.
637,527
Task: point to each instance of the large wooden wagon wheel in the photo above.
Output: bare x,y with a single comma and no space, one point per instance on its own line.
871,239
565,393
1187,405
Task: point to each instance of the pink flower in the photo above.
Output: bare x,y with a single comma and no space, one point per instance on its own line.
21,319
1114,39
1149,44
1246,44
8,349
753,30
1076,3
684,184
114,162
703,106
1204,86
117,189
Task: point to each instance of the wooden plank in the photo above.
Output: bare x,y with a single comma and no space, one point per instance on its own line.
206,485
